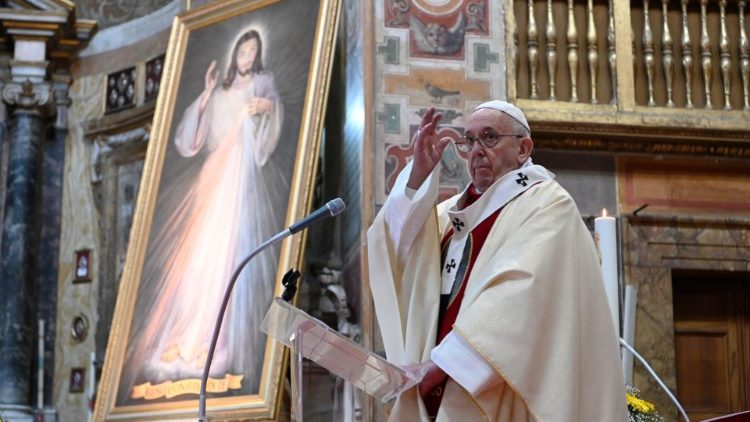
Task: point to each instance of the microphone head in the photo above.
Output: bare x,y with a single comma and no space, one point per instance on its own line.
336,206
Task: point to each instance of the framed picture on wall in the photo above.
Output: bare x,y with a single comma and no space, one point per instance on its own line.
230,163
77,380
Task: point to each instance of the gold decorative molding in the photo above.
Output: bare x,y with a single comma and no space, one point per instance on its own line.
85,28
690,221
634,146
55,26
644,130
25,22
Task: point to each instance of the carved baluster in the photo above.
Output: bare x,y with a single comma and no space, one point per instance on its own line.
533,48
593,53
725,62
551,52
744,56
516,56
572,53
706,55
667,60
612,52
687,56
648,54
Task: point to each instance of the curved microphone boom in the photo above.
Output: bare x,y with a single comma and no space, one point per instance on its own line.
333,208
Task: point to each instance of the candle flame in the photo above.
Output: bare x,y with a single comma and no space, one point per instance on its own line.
604,212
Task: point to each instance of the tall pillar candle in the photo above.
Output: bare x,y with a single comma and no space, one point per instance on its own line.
606,240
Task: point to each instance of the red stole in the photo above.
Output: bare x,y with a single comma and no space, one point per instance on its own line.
475,242
449,307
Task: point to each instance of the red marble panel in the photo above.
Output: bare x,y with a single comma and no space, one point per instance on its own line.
684,185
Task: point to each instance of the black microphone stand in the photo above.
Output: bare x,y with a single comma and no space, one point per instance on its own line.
330,209
290,285
217,327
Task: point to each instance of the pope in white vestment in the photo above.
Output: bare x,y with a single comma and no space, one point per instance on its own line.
529,334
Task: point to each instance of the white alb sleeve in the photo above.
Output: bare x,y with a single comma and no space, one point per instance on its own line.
405,210
463,364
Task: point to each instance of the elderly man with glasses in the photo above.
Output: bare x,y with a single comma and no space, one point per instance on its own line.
495,295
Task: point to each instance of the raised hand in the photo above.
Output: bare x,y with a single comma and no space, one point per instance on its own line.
209,81
211,77
427,149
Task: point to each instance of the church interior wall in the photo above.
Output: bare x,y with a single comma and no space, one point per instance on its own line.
589,177
697,219
100,184
656,245
79,231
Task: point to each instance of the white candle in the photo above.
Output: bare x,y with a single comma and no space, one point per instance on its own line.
606,240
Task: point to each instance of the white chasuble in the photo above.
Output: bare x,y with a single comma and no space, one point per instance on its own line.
534,311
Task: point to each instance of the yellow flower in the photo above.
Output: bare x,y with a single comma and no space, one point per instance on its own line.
640,405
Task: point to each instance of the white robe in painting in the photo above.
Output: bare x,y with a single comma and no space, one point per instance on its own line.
218,218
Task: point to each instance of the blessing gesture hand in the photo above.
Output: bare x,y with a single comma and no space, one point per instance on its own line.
427,149
210,80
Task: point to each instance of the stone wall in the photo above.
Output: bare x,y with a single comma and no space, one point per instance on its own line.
104,152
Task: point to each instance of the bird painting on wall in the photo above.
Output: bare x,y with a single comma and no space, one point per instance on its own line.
437,93
435,38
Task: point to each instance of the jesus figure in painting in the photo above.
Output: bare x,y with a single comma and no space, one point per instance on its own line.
219,216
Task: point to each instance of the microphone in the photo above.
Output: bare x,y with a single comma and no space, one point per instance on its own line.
333,208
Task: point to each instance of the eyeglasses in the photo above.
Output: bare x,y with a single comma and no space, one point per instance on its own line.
487,139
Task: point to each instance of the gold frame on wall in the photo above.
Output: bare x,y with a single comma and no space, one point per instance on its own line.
298,52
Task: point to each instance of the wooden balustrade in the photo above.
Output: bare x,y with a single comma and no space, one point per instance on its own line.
686,53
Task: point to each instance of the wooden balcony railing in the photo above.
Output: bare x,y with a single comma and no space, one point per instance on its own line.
646,57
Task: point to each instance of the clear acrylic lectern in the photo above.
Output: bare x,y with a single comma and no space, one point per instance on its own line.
311,338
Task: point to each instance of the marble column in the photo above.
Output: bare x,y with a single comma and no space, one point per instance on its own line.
20,232
53,160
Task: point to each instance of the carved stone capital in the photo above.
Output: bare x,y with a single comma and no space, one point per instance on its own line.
27,95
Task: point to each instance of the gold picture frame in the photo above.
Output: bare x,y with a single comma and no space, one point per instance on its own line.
233,145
